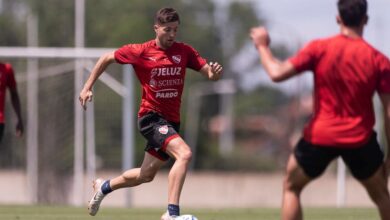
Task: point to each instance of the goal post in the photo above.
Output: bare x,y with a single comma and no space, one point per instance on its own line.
83,141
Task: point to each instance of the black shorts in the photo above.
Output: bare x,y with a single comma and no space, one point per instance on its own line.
363,162
1,131
158,132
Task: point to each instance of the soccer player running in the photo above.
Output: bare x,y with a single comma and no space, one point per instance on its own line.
347,72
7,80
160,65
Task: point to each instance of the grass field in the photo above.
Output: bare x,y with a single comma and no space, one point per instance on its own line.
69,213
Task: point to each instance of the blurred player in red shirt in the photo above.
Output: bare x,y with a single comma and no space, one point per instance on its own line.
7,80
347,72
160,65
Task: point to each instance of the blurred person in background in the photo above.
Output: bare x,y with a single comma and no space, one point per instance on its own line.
7,80
160,65
347,72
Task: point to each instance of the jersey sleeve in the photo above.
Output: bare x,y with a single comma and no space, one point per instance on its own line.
383,64
128,54
195,61
11,83
304,60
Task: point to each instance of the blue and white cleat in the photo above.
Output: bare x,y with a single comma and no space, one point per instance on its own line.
98,196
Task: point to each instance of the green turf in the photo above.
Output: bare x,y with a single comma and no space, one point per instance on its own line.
69,213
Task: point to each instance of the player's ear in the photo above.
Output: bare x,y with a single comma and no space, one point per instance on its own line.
339,20
365,20
155,27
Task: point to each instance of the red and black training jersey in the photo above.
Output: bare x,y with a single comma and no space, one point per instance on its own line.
347,73
7,80
161,74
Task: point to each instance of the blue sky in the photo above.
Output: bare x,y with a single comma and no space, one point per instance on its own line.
296,22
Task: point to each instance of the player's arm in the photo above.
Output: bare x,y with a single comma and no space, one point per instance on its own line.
16,105
276,69
101,65
385,99
212,71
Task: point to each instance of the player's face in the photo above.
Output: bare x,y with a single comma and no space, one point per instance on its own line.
166,34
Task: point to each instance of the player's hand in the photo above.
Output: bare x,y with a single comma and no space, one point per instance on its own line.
19,129
216,70
85,95
260,36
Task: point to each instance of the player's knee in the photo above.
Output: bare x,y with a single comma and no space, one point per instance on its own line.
186,156
290,185
145,178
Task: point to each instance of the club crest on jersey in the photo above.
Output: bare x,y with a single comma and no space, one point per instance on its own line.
163,129
176,58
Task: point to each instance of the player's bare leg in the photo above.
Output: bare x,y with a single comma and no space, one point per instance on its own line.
376,187
137,176
130,178
293,185
182,154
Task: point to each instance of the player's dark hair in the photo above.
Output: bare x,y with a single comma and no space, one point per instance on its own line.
166,15
352,12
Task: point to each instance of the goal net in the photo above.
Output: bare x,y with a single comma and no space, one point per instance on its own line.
57,153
